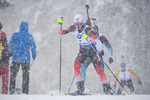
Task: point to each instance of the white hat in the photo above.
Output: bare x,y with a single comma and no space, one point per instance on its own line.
78,18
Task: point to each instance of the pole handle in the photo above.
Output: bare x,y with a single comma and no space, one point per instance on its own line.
87,7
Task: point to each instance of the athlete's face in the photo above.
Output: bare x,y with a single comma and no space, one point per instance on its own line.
123,69
78,25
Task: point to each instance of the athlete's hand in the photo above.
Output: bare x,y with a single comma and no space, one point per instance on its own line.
60,20
110,60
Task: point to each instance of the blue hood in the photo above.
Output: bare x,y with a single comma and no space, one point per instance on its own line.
24,26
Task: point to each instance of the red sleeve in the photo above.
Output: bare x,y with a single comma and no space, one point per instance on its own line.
65,31
2,35
92,35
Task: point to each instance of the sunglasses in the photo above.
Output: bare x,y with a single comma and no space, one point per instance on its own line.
77,24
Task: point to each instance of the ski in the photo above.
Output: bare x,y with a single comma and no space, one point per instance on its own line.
18,90
75,94
110,92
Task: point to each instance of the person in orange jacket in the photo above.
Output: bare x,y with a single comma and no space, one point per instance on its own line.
124,75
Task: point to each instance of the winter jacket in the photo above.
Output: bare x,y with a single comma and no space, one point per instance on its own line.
20,44
4,53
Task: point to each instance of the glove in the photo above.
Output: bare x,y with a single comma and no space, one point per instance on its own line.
110,60
60,20
140,82
84,36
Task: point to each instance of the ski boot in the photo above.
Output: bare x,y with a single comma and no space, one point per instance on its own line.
80,87
12,91
108,90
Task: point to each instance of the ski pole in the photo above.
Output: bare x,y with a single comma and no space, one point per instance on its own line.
109,74
87,7
32,62
94,21
60,66
86,37
60,21
71,84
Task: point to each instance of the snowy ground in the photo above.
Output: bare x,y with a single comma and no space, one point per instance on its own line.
125,23
61,97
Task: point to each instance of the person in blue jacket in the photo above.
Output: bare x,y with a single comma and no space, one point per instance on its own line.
19,47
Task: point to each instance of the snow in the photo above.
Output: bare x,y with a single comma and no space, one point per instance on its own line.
125,23
62,97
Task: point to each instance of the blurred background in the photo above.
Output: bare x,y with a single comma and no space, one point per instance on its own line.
125,23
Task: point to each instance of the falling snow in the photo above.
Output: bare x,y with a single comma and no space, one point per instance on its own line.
125,23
